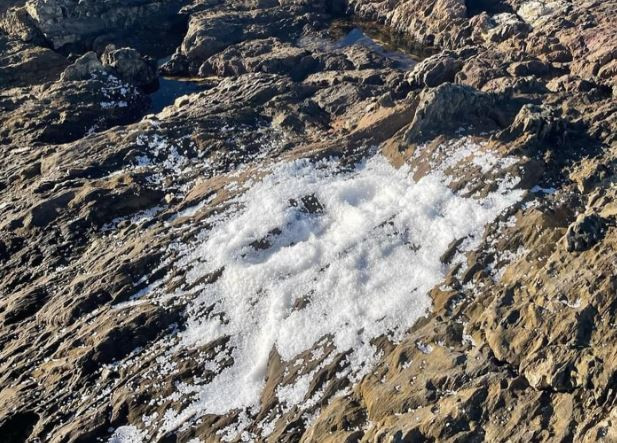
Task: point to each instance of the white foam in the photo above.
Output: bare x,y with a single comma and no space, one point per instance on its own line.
126,434
365,264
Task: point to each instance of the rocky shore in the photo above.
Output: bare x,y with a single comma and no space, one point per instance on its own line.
339,221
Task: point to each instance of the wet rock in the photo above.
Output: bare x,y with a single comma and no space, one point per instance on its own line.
585,232
118,338
177,65
434,23
99,206
19,426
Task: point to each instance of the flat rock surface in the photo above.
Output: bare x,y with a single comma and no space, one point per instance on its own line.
404,232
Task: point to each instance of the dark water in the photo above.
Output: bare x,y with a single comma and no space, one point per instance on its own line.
343,32
170,89
379,40
357,37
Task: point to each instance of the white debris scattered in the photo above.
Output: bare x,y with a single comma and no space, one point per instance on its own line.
313,251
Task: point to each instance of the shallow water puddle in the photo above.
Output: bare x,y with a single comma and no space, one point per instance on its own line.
376,38
344,33
170,89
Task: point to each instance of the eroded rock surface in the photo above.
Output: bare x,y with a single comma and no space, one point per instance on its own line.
108,214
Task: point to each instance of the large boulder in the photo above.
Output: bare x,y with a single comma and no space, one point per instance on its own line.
131,66
83,68
210,32
66,23
264,55
126,64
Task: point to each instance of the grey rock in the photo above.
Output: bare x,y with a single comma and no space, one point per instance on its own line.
23,64
211,32
83,68
449,107
481,69
586,231
126,64
75,158
528,67
501,27
17,23
66,22
539,123
263,55
435,70
66,110
131,66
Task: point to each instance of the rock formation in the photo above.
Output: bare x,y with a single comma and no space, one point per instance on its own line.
111,214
